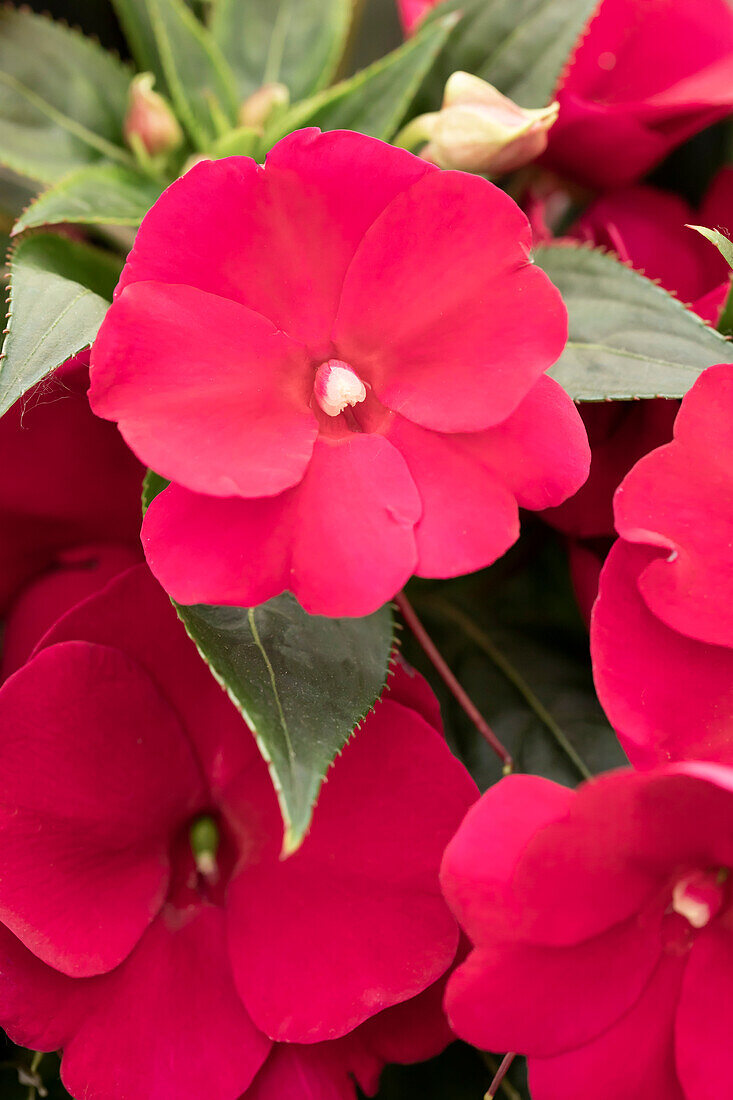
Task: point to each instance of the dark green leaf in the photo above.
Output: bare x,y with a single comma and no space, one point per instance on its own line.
169,41
723,244
302,682
60,291
628,337
296,42
515,640
102,194
725,324
520,46
376,100
62,98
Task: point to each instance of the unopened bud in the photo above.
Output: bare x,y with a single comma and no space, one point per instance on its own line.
480,130
264,106
150,121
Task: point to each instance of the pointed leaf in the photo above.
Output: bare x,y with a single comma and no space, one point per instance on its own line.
303,683
59,292
296,42
187,63
628,337
102,194
520,46
723,244
376,100
62,98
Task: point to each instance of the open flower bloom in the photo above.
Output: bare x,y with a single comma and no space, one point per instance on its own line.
142,894
602,925
647,75
662,630
338,360
68,482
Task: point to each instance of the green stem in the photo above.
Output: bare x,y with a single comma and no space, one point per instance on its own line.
484,642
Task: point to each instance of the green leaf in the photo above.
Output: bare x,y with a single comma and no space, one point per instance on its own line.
62,98
376,100
725,324
302,682
513,636
60,291
169,41
723,244
295,42
520,46
628,337
102,194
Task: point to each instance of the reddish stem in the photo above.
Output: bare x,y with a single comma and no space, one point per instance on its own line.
499,1076
430,649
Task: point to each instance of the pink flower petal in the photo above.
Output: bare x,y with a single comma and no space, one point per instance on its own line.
443,313
135,615
703,1022
354,921
480,861
86,811
51,440
673,499
543,1000
294,1072
167,1022
634,1059
666,695
39,1007
342,541
205,391
279,239
469,517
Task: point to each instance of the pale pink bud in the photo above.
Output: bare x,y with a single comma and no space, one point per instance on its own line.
259,108
480,130
149,119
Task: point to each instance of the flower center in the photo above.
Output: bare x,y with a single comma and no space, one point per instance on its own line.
204,839
698,897
336,385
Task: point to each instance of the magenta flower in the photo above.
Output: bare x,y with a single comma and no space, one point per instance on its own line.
338,360
73,483
662,632
412,12
602,925
142,894
647,75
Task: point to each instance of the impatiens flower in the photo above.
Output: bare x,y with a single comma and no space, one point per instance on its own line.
647,75
68,481
662,631
150,927
338,360
602,926
478,129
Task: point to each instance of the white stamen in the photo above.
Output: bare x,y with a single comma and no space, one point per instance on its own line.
336,386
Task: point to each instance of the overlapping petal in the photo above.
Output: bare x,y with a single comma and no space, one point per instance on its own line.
226,413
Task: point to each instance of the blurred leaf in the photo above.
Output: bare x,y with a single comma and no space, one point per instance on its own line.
302,682
376,100
62,98
60,291
514,638
520,46
723,244
725,324
168,40
628,337
295,42
102,194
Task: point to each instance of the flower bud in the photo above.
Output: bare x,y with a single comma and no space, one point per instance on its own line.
149,121
480,130
264,104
